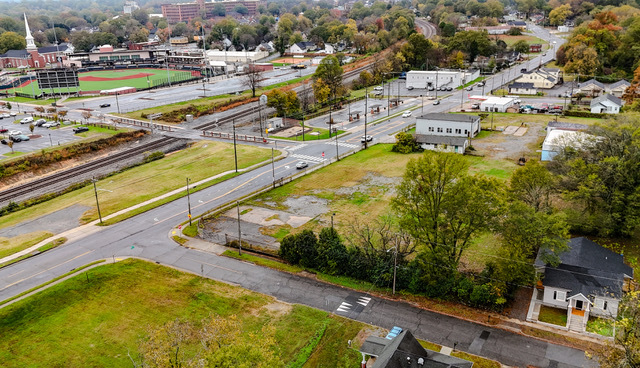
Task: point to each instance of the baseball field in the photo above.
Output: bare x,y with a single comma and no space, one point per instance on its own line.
109,79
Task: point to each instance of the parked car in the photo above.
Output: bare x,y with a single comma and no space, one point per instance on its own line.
302,165
406,114
523,70
5,115
39,122
449,88
436,102
377,93
481,84
410,88
475,105
26,120
378,88
12,113
50,124
3,130
14,132
367,138
15,138
105,105
470,88
22,137
545,54
4,141
80,129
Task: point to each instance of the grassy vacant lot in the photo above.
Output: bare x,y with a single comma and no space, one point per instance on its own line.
510,40
360,187
96,323
142,183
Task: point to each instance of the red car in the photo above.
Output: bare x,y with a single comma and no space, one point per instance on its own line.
3,130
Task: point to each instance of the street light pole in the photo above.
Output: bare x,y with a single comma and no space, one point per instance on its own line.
189,202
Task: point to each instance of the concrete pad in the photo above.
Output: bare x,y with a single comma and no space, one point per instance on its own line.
446,350
521,131
510,129
297,221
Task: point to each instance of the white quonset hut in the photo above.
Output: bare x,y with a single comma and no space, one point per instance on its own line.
497,104
440,78
446,132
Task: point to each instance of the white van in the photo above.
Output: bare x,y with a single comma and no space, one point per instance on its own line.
26,120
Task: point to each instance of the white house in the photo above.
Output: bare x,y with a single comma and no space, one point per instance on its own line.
541,77
522,88
618,88
607,104
301,47
590,279
558,140
497,104
440,78
446,132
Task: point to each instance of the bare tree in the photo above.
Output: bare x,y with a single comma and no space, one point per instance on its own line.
86,115
379,237
253,78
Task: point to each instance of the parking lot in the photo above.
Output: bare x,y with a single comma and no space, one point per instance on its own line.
41,138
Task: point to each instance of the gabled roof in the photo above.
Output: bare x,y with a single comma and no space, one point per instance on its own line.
460,118
606,97
587,268
404,351
305,44
620,83
522,85
591,81
48,49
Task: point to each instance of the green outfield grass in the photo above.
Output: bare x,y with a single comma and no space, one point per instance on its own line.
157,76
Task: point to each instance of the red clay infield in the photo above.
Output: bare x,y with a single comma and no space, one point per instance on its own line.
90,78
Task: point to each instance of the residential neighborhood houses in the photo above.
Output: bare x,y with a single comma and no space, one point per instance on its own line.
305,96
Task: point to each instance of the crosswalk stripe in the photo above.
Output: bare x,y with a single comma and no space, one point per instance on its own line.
309,158
295,148
348,145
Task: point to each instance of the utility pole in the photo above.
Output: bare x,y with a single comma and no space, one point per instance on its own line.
273,169
188,202
337,152
117,103
388,99
239,233
235,151
95,191
366,107
303,126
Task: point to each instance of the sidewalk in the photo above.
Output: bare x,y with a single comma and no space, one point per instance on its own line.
91,228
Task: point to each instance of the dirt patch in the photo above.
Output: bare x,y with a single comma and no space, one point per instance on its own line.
365,333
90,78
369,182
309,206
277,309
509,146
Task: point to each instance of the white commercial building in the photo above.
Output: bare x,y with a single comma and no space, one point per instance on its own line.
497,104
557,140
236,56
440,78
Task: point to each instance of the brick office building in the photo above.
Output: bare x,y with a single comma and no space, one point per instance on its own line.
184,12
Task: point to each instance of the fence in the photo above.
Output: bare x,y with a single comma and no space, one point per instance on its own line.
239,137
143,124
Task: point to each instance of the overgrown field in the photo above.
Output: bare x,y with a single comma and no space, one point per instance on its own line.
97,323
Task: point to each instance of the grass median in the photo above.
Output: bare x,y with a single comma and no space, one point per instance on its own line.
139,184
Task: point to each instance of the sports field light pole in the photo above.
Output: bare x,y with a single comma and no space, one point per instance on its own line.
189,202
235,151
117,103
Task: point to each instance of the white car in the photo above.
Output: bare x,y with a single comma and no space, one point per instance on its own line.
13,113
5,115
301,165
367,138
406,114
26,120
50,124
377,88
14,132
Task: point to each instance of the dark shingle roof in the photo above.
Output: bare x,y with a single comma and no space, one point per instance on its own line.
587,268
15,54
460,118
48,49
521,85
404,351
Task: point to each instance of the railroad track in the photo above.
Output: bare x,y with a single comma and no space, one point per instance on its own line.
12,193
252,110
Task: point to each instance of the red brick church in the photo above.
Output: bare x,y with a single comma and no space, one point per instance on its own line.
35,57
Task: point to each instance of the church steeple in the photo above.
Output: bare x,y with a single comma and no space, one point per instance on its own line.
31,45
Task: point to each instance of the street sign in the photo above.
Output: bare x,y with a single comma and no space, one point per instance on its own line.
263,100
